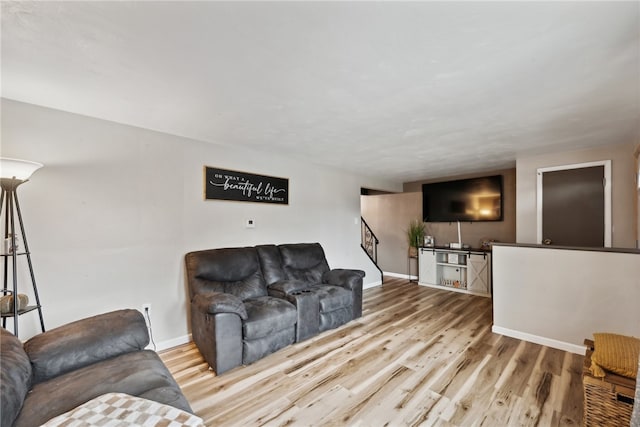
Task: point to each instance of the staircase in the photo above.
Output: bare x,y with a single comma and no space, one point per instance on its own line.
369,243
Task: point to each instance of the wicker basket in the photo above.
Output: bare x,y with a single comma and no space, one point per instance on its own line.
608,401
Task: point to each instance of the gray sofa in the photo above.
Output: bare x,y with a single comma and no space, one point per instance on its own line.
249,302
65,367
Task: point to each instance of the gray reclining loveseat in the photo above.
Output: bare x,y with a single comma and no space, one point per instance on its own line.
249,302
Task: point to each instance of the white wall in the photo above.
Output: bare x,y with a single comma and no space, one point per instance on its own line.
111,215
623,192
559,297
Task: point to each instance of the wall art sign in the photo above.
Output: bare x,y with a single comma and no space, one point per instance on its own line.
223,184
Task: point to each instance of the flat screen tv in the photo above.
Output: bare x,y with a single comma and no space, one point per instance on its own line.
475,199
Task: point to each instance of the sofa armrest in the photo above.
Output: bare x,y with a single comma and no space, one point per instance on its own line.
287,287
219,302
84,342
15,377
350,279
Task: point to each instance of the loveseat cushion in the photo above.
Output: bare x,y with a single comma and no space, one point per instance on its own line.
137,374
256,349
335,318
234,271
86,341
15,379
304,261
266,316
332,297
271,263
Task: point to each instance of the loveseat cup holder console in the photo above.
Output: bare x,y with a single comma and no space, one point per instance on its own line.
308,307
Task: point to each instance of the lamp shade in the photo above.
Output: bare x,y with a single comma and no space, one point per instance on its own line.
18,169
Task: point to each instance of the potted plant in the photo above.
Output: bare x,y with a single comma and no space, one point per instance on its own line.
415,236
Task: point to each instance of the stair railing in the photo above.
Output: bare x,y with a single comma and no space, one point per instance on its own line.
369,243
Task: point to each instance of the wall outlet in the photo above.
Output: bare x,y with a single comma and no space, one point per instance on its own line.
146,312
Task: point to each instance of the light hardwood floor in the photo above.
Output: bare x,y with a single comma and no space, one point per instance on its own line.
418,356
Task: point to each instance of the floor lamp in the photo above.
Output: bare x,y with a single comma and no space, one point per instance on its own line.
14,172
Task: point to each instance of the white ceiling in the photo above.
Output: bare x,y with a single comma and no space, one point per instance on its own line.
400,90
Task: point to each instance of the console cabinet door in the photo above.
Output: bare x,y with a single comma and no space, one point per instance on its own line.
478,273
427,273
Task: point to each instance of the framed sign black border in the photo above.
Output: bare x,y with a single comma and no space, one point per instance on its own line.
239,186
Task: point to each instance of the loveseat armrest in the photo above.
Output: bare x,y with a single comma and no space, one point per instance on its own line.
350,279
84,342
216,328
282,288
219,302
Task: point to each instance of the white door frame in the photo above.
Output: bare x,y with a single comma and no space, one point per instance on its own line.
607,195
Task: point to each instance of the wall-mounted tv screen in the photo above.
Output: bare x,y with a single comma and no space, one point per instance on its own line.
475,199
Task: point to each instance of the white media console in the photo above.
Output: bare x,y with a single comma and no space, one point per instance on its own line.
460,270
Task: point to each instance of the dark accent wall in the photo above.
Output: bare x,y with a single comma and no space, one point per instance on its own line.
389,216
473,233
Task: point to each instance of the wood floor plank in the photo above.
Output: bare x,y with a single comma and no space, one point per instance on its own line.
572,405
522,365
533,405
418,356
474,404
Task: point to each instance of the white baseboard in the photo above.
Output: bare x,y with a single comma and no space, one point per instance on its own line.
372,284
175,342
400,276
536,339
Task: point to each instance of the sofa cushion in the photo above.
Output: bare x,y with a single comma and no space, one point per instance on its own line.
234,271
137,374
15,380
304,261
332,297
267,315
86,341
